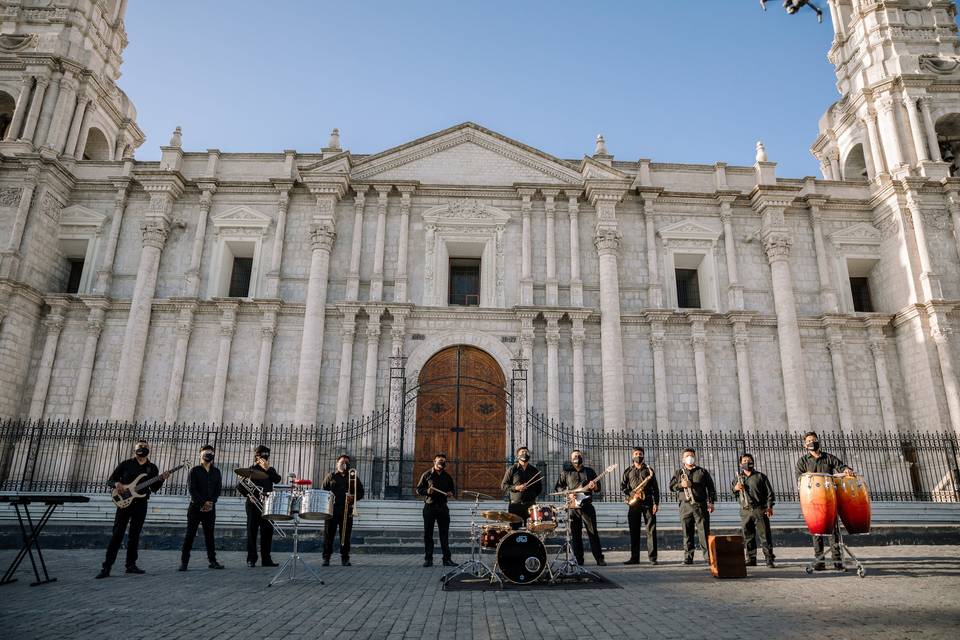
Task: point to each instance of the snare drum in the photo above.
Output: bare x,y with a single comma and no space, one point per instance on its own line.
543,518
492,534
316,504
278,505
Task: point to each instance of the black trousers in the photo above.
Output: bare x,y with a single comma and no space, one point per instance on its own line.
585,516
753,522
330,528
834,546
134,515
636,515
694,517
257,524
195,519
439,515
519,510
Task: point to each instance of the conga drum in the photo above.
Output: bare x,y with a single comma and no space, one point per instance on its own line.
853,503
818,502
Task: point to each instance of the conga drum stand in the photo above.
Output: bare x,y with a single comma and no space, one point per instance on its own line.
290,564
844,551
568,566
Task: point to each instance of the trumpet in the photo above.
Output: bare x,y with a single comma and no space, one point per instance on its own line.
351,497
687,491
256,497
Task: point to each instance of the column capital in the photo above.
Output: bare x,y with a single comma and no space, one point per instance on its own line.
776,246
360,197
154,232
884,104
607,241
322,235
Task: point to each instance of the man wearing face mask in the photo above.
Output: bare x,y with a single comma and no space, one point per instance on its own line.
755,495
642,510
205,484
523,492
574,476
256,523
134,515
338,484
436,486
696,492
817,461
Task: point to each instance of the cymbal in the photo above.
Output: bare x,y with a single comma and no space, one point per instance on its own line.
501,516
252,474
477,493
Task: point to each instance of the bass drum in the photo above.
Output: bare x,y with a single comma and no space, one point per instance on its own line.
818,502
278,505
521,557
316,504
853,503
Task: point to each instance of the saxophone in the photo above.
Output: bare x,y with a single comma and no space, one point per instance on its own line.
687,491
742,496
639,494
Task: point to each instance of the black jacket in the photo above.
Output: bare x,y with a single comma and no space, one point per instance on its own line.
570,478
632,477
826,463
336,483
700,483
128,470
515,475
265,485
441,482
204,485
757,489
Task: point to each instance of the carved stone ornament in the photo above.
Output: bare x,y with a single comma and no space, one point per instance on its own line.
777,247
939,64
18,41
51,207
10,197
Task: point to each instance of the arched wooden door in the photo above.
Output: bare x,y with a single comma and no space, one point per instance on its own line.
462,412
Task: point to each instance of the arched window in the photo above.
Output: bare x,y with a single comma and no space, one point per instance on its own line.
97,147
7,105
948,135
855,165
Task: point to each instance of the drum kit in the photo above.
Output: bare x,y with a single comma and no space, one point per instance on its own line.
520,555
826,500
288,502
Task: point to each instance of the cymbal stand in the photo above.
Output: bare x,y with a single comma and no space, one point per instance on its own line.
568,566
290,564
475,565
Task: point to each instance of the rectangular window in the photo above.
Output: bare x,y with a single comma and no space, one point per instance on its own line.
76,272
860,291
240,277
688,289
464,282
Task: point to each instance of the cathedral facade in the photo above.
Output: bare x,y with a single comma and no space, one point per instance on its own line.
274,287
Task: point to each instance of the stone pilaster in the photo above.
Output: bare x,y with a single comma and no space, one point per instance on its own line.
741,344
400,279
873,139
283,188
10,259
661,397
73,136
553,365
268,329
878,349
348,331
919,145
550,212
192,276
105,272
20,110
654,286
929,280
578,336
527,338
941,332
98,309
228,326
36,104
833,328
698,337
953,205
891,132
526,247
734,288
828,293
931,131
185,310
373,354
376,281
62,113
576,281
353,276
54,325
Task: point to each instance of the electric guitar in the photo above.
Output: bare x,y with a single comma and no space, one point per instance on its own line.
577,497
127,493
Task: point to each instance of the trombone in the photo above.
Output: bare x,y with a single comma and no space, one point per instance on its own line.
350,497
256,497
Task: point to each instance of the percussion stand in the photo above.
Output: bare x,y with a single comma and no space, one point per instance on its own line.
568,567
291,563
844,549
475,565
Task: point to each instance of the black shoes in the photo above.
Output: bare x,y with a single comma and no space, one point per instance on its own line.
345,562
838,566
601,562
326,562
820,566
135,569
688,561
632,561
104,573
182,567
428,562
751,562
447,562
215,565
251,564
770,564
653,561
269,563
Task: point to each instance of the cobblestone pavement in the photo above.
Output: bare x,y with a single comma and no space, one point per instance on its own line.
909,592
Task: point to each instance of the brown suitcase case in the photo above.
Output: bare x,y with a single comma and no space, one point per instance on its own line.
727,557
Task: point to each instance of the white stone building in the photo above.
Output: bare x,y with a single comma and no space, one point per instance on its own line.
252,287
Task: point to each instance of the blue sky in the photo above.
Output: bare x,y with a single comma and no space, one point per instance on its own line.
695,81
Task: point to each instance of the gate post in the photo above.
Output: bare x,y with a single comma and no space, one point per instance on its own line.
518,402
393,486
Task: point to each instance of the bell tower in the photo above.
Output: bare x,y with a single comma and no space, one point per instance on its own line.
898,73
59,64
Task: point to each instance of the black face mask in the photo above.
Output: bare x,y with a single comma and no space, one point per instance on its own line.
207,457
524,458
637,459
814,446
343,466
578,460
441,464
747,466
142,451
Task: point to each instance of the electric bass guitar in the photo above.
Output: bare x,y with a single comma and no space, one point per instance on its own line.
127,493
577,497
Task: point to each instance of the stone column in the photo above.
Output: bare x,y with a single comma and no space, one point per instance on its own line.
20,110
54,324
376,282
929,280
62,113
36,104
699,339
834,158
607,242
734,289
526,349
186,308
576,282
661,398
46,110
916,132
80,143
322,236
953,205
553,365
654,287
828,294
551,214
833,328
931,130
268,329
825,169
74,134
10,259
105,272
877,348
373,354
348,331
400,279
526,249
741,344
98,309
192,277
228,325
276,256
892,144
353,276
155,228
873,138
398,329
941,332
578,336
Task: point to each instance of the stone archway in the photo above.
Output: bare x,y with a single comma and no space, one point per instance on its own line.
461,410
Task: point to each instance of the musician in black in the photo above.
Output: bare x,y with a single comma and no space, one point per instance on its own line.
256,523
817,461
754,493
436,486
575,475
134,515
339,484
204,484
696,505
644,510
523,492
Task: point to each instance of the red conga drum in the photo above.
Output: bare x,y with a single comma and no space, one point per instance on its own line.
818,502
853,503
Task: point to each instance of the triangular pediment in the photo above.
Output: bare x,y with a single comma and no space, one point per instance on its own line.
466,154
860,233
689,229
241,216
591,169
79,216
